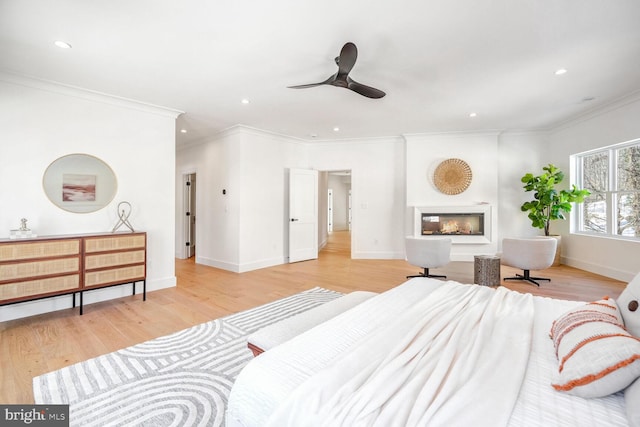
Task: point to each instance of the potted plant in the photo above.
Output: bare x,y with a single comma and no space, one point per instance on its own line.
549,203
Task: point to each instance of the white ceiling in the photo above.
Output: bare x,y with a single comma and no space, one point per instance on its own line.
437,61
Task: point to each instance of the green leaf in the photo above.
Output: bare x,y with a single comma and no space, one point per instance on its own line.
549,203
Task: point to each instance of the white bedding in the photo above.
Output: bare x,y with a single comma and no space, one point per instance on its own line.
321,359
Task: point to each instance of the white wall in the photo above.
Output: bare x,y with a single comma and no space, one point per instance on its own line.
264,204
480,151
41,122
340,186
611,257
245,228
518,153
377,191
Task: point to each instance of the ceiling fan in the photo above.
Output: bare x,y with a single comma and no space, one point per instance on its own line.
345,62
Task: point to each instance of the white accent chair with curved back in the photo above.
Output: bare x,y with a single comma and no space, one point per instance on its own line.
528,254
428,252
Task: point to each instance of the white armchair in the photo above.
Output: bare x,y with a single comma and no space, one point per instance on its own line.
535,253
428,252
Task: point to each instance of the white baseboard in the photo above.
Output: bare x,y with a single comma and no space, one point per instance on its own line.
602,270
235,268
241,268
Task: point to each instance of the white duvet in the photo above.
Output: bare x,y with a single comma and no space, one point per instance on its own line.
423,353
426,365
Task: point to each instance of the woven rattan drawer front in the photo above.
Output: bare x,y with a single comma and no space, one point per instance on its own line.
27,250
113,259
33,288
33,269
115,243
115,275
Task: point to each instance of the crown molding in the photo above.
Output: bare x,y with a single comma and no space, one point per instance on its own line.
238,129
627,99
90,95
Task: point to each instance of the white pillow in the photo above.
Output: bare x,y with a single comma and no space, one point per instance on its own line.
628,304
632,402
596,355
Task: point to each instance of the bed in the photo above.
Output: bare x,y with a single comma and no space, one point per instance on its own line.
432,353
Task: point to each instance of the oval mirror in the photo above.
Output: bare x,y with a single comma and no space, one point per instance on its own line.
79,183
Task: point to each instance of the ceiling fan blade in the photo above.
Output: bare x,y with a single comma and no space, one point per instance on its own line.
305,86
364,90
347,58
326,82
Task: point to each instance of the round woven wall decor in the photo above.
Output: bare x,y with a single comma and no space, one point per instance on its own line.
452,176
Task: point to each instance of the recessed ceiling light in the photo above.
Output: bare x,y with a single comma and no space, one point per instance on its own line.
245,101
183,131
560,71
336,129
62,45
473,114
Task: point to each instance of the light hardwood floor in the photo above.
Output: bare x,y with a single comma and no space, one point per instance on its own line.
40,344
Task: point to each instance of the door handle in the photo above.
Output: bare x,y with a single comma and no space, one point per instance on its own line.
294,219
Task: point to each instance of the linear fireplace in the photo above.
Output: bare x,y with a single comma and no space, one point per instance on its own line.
471,224
464,224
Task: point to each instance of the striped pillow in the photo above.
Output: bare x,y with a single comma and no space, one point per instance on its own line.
596,355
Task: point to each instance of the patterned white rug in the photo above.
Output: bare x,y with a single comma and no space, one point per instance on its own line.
182,379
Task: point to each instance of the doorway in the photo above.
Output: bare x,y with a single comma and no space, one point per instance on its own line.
339,206
189,212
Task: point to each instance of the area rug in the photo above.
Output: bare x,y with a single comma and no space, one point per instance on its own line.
182,379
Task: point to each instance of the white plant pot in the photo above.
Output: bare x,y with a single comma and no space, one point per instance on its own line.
556,260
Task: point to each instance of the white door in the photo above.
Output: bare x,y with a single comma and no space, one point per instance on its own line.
303,214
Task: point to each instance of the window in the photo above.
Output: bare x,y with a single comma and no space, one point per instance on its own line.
612,175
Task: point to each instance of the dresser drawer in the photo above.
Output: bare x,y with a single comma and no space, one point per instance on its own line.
114,275
32,269
29,250
33,288
114,259
115,243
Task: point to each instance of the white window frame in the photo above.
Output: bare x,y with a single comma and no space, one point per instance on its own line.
611,194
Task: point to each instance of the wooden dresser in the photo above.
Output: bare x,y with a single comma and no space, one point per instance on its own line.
49,266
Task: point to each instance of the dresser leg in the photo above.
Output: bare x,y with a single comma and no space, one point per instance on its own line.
80,303
144,290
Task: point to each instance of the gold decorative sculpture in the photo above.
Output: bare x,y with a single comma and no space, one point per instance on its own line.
452,176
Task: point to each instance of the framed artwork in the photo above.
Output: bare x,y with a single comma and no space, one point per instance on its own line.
78,188
79,183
